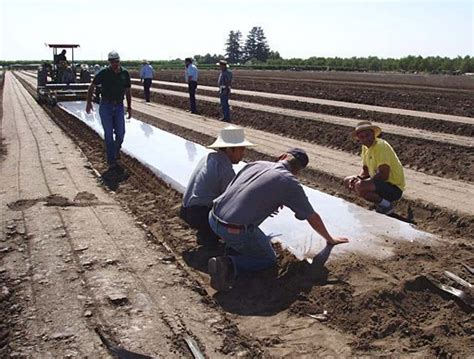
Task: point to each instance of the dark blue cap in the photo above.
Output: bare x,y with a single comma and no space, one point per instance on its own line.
300,156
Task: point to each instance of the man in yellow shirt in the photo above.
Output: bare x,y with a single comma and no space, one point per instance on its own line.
381,180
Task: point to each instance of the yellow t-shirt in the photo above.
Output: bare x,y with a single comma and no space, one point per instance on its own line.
381,153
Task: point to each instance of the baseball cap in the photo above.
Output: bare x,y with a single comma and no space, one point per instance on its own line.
300,156
113,55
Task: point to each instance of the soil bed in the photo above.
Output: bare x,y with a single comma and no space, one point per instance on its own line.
431,100
399,120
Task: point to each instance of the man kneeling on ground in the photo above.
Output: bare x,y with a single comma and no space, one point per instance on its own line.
381,179
258,191
209,180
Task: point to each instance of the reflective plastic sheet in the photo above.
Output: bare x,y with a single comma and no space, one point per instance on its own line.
173,159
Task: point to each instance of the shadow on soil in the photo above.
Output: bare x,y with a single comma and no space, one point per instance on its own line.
265,293
113,177
270,292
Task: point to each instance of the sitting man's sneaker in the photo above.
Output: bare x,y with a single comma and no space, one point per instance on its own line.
222,273
384,210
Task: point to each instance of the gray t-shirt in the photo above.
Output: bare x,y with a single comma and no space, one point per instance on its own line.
208,180
259,189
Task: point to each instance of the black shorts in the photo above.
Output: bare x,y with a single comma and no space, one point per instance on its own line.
387,191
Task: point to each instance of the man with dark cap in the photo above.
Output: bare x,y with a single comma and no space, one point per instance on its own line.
257,192
191,77
115,81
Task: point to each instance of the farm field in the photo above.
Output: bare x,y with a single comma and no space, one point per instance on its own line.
141,281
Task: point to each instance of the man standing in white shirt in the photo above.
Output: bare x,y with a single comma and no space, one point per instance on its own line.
146,76
191,77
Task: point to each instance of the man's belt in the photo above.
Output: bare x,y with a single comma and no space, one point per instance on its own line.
112,102
231,225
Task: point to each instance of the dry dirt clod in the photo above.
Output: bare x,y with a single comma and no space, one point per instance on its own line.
61,335
118,299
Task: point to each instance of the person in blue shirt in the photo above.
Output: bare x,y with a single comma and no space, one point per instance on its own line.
191,77
257,192
146,75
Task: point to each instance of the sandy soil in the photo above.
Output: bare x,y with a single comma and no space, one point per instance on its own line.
374,308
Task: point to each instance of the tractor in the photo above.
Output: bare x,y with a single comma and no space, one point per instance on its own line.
58,81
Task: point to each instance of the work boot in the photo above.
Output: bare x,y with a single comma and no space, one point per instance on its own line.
221,271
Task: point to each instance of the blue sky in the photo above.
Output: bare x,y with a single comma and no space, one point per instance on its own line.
168,29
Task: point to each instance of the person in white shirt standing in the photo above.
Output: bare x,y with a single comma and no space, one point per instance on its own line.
146,75
191,77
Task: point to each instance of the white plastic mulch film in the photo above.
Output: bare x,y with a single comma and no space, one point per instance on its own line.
173,159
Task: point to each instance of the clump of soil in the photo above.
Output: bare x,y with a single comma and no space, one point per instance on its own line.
85,196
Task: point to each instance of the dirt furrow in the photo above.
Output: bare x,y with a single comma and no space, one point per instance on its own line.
459,103
251,96
347,122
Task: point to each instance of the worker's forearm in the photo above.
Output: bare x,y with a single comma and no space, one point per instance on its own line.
317,224
129,99
90,91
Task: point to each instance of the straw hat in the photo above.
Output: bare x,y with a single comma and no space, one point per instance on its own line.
222,62
231,136
366,125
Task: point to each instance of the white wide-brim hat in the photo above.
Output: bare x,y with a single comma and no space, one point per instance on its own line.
231,136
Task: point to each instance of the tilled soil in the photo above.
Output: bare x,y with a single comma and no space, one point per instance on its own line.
383,304
425,215
441,159
433,100
399,120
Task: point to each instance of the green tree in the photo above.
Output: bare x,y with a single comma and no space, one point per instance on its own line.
256,45
233,48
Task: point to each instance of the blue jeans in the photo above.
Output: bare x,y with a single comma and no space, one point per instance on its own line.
113,122
146,88
224,97
255,252
192,86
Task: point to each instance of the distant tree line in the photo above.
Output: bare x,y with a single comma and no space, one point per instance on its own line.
247,57
412,64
